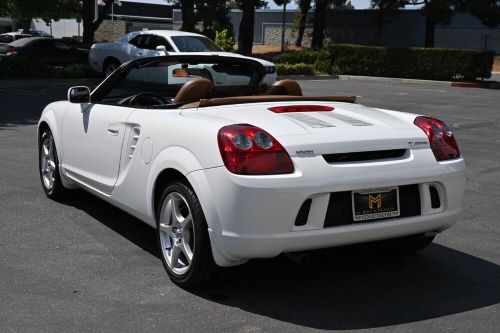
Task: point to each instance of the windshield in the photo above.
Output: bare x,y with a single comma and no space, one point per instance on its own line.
6,38
195,44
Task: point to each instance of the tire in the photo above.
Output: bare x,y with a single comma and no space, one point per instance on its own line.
48,167
110,66
182,236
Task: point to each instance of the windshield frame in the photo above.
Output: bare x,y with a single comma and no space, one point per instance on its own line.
118,75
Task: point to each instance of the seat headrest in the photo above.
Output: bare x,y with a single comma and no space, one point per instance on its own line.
285,87
193,91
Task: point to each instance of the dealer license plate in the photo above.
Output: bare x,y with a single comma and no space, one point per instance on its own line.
375,203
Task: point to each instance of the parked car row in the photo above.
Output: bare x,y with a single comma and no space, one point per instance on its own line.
9,37
107,57
47,50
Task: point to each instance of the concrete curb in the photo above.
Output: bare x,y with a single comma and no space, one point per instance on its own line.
307,77
481,84
392,79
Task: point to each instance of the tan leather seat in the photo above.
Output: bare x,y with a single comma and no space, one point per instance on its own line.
285,87
193,91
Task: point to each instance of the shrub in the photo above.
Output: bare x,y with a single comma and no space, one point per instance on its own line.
224,40
416,63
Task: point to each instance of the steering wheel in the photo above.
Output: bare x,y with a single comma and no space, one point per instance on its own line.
146,99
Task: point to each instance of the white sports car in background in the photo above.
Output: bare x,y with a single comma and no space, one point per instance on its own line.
229,173
106,57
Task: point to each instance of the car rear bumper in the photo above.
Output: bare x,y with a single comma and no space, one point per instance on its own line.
255,217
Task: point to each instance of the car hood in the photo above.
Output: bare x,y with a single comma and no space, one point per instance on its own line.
349,127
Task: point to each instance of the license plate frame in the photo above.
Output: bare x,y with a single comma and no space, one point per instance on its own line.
375,203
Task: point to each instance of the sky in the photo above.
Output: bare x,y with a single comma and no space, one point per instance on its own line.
358,4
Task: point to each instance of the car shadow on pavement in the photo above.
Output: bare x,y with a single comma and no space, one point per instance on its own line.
358,288
346,288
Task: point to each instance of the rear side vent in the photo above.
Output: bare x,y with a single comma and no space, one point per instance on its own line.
364,156
435,201
303,213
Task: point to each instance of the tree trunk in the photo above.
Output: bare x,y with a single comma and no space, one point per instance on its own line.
430,31
245,38
304,6
89,26
319,24
187,9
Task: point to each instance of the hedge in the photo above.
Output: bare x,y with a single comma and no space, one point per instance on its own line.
304,57
415,63
22,69
295,69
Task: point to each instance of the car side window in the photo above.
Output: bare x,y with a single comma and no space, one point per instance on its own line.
162,41
137,41
43,44
62,46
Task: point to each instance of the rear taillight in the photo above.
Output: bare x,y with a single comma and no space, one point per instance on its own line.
249,150
443,143
11,50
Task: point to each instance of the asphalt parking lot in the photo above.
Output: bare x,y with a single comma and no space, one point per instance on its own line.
82,265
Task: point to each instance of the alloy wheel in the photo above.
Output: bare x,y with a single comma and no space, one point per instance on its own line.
177,233
48,162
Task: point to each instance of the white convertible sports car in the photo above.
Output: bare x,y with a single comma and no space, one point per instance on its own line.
106,57
230,173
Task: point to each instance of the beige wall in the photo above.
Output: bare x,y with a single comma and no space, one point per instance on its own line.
272,36
110,30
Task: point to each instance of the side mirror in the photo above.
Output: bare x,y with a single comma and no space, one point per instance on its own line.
79,94
162,48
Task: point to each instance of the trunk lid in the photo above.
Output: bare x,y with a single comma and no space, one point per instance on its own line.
348,128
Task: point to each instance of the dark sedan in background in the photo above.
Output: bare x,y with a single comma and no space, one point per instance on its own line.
46,50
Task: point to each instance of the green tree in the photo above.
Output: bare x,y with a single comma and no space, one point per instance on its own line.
215,17
245,38
441,11
24,11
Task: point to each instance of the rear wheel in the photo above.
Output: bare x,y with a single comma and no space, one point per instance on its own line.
110,66
182,236
48,163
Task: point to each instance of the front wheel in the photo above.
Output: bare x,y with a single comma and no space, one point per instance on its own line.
182,236
48,163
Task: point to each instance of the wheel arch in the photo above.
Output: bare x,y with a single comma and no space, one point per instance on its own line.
107,60
171,163
166,177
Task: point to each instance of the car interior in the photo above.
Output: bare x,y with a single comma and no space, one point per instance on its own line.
172,85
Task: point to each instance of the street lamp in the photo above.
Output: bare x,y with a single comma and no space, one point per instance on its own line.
118,3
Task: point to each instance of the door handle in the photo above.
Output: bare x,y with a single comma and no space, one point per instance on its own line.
140,53
113,129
